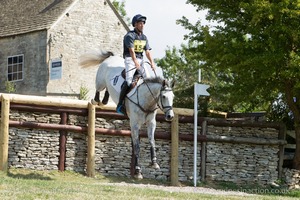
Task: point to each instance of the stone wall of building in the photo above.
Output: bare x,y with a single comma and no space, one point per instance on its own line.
89,25
86,26
39,149
35,72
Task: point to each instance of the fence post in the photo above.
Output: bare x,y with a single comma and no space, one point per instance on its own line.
174,151
4,132
62,143
91,141
281,136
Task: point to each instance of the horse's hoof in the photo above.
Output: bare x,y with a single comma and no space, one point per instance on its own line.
94,102
138,176
155,166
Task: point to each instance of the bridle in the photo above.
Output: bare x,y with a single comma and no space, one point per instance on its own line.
164,108
160,104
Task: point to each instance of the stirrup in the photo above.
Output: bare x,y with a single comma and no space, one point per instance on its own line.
120,109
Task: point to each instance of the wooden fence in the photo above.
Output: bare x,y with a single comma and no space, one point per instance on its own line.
63,106
84,108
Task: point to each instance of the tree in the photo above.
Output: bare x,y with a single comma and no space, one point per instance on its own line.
179,65
120,7
254,50
182,66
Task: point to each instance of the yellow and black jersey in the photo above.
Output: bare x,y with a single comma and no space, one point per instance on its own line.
137,41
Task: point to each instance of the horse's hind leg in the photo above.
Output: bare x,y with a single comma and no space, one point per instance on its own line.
96,99
105,98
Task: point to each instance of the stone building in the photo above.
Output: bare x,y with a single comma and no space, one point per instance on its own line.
41,41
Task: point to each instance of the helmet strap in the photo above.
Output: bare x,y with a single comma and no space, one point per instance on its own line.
137,30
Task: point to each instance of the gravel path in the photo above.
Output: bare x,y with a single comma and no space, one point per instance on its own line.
188,189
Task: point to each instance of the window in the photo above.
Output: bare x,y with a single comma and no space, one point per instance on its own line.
15,65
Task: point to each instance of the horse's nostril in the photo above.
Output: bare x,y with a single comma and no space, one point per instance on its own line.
169,117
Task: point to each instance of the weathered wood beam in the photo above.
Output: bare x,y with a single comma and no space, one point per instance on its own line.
4,132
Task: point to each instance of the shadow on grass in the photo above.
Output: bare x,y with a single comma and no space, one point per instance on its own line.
29,176
119,179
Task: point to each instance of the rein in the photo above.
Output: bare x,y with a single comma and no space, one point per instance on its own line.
155,98
138,101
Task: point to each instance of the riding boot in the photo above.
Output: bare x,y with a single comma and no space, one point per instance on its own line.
121,106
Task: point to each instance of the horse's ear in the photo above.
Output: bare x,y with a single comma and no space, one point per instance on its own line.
173,83
164,83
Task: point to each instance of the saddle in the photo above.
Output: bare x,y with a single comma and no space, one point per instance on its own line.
136,77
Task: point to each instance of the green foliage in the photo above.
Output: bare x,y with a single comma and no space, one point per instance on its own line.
10,87
252,56
175,66
256,48
120,7
83,94
248,59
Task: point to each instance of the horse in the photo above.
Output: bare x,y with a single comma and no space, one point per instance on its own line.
141,105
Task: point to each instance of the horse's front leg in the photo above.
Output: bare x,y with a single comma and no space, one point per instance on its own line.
151,126
136,151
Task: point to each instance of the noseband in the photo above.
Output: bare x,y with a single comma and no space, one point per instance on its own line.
164,108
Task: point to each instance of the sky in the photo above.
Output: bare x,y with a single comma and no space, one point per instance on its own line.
161,28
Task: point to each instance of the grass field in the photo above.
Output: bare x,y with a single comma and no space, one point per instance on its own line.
28,184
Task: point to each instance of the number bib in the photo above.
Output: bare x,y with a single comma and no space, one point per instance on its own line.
139,45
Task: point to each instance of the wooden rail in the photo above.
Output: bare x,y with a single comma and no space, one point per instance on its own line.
66,107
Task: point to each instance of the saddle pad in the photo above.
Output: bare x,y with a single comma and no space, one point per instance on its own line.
117,82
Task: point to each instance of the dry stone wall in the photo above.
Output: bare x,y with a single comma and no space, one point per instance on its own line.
39,149
292,178
242,162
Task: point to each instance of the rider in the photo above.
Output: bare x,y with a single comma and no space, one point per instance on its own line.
134,43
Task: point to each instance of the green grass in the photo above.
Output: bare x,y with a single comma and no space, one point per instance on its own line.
28,184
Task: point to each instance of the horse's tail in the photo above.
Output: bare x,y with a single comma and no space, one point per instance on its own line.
94,58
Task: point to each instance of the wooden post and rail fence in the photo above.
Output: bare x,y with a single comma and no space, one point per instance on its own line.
84,108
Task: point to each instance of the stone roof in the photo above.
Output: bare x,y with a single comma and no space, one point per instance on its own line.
19,16
23,16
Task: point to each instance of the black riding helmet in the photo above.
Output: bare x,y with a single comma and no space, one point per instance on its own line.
138,18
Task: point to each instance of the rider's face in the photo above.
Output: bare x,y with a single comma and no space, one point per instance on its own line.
140,26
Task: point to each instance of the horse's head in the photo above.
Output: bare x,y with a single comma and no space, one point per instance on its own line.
166,100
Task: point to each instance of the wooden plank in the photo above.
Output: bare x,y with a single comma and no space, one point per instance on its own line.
4,132
242,140
91,141
47,101
180,111
63,102
291,134
281,136
174,151
290,146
